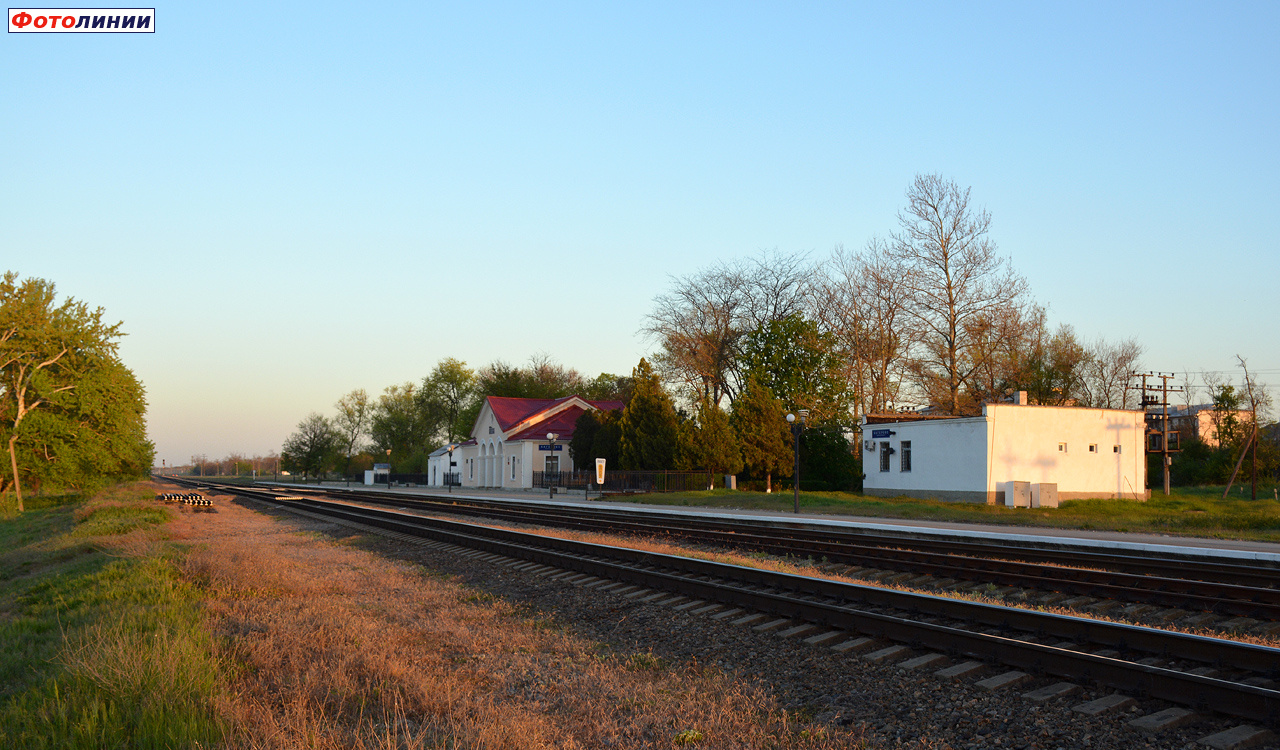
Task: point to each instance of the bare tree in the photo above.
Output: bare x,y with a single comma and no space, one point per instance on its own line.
1259,403
955,278
698,324
700,321
860,299
1009,344
775,286
1108,371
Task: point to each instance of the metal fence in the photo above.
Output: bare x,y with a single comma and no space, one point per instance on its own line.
626,481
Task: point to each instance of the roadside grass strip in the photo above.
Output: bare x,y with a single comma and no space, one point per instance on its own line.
1195,511
102,644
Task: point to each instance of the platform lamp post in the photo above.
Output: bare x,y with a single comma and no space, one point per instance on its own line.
551,488
796,428
388,470
448,470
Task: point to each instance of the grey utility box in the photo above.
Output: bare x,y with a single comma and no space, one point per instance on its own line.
1044,495
1017,494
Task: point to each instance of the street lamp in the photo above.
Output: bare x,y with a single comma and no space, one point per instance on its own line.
551,488
796,428
448,476
388,470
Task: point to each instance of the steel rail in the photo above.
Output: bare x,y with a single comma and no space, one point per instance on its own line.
786,594
1259,574
1148,587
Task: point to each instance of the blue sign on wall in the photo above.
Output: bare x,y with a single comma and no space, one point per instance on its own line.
881,433
546,447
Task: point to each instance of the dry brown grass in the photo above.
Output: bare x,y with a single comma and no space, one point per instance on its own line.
336,647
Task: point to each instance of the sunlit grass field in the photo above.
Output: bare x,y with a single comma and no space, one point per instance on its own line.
1197,511
101,643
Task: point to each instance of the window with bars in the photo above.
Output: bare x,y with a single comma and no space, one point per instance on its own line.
905,460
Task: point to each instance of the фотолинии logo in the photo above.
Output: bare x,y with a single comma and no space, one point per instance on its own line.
82,20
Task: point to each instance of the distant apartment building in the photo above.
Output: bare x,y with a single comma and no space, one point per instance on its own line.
1203,421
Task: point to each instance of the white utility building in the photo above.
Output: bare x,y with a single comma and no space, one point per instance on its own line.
1012,454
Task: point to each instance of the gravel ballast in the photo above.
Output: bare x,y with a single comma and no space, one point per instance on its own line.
895,702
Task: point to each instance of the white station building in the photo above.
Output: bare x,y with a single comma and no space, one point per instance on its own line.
1014,454
509,442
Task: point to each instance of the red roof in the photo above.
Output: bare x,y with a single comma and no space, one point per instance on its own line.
512,411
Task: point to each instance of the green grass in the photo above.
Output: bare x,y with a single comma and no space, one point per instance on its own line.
1198,511
98,647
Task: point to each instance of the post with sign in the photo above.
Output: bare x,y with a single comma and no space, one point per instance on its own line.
600,475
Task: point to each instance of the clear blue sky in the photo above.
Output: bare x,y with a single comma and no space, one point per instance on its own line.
286,202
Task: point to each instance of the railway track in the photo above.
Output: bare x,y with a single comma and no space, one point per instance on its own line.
1228,677
1240,590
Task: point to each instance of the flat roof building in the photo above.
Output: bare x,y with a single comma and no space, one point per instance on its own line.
1005,453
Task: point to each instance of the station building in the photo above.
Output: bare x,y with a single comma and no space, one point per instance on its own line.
1011,452
509,442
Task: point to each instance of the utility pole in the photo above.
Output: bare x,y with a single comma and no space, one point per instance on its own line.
1162,417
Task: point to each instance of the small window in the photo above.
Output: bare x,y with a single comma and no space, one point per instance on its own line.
1093,447
884,456
490,429
1062,447
1115,449
906,455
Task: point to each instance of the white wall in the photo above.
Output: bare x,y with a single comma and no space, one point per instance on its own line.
948,459
1025,447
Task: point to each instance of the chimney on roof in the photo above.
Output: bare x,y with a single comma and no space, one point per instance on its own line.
1021,398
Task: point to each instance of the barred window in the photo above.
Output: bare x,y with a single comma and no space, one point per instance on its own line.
905,460
884,456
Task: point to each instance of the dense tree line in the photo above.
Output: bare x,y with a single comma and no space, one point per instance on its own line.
931,318
1238,436
73,414
412,419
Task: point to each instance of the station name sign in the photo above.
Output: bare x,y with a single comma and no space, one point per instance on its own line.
547,447
875,434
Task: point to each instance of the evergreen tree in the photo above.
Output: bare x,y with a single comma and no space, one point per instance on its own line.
763,434
709,443
649,424
584,435
606,442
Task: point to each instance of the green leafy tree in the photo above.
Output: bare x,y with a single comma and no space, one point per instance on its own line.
709,442
649,424
799,364
1228,428
72,412
313,448
355,410
400,424
760,422
608,387
446,394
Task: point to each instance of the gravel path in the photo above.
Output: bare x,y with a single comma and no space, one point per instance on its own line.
895,705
